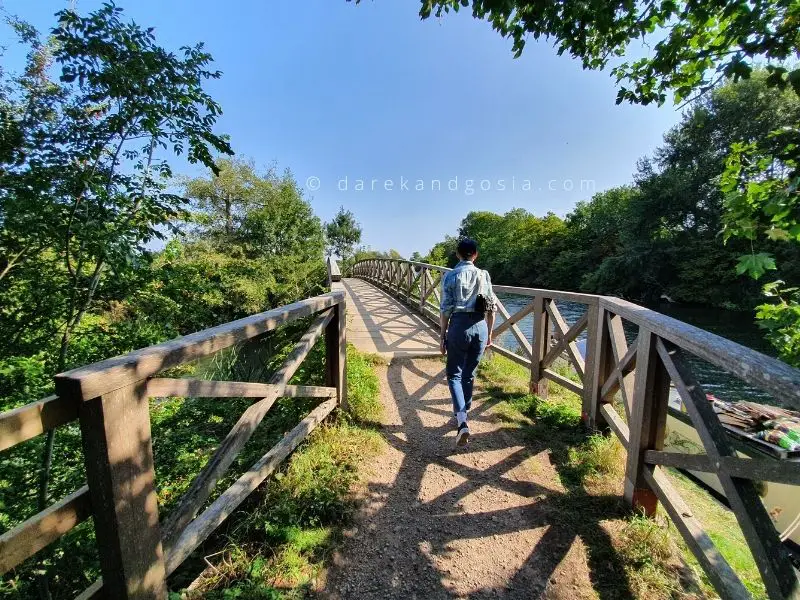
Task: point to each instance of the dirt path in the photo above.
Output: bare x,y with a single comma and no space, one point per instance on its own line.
441,522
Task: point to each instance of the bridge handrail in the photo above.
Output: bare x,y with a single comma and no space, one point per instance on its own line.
641,373
110,399
334,274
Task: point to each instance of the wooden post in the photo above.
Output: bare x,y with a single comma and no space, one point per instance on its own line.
541,342
336,353
423,288
648,420
593,379
118,454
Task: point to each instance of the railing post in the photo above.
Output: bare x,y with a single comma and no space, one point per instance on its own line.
598,367
336,353
648,420
541,342
423,288
118,452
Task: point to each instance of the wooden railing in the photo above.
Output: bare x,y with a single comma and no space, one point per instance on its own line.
641,373
110,399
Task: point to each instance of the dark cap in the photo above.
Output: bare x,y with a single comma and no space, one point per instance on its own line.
467,248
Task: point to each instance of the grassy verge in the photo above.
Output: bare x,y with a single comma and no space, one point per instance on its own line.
276,546
648,555
280,533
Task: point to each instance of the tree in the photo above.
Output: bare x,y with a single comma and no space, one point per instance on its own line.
83,185
695,45
223,199
342,234
89,181
259,225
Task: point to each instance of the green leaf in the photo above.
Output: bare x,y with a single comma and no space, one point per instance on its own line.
777,234
755,265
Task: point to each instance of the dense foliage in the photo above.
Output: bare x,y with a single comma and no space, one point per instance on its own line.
660,236
86,187
86,192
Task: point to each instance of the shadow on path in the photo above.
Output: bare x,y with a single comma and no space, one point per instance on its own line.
490,520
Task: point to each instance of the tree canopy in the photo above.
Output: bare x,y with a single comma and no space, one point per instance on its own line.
88,132
659,236
343,234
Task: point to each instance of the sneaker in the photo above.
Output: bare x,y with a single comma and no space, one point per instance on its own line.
462,435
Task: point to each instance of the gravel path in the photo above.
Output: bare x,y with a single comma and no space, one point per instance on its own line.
441,522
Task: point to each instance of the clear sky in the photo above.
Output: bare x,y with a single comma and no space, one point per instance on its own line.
341,93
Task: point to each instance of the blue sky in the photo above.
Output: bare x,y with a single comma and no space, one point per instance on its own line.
369,92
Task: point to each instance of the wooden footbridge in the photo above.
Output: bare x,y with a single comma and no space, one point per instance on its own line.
633,355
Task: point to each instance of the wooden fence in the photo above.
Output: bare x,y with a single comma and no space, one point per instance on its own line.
641,374
110,399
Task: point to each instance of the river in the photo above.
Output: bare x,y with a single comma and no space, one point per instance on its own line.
734,325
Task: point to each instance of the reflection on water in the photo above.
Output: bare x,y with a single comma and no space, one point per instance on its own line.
736,326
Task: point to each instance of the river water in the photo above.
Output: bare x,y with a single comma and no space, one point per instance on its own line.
734,325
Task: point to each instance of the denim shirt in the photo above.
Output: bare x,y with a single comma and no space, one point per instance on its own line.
461,286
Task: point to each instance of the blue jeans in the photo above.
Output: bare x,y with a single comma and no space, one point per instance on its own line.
466,340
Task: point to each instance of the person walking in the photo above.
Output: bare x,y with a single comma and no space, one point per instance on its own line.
466,321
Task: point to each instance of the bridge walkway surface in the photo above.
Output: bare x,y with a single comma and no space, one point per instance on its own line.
488,520
380,324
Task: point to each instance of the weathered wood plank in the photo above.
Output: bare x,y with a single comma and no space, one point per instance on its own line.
341,364
199,529
756,469
428,266
648,420
237,437
118,453
520,360
722,576
95,380
436,286
430,286
26,422
541,340
566,340
616,423
93,592
769,374
203,388
588,299
597,369
621,353
769,553
592,356
563,331
563,381
518,335
423,289
334,274
42,529
514,319
622,373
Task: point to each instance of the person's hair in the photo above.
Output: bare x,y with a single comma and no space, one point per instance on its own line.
467,248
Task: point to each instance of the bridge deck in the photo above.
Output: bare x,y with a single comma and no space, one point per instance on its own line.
380,324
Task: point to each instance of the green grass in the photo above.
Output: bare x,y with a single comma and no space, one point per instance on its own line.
363,402
276,546
653,561
722,527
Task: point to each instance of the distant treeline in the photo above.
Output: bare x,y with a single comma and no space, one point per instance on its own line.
659,236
